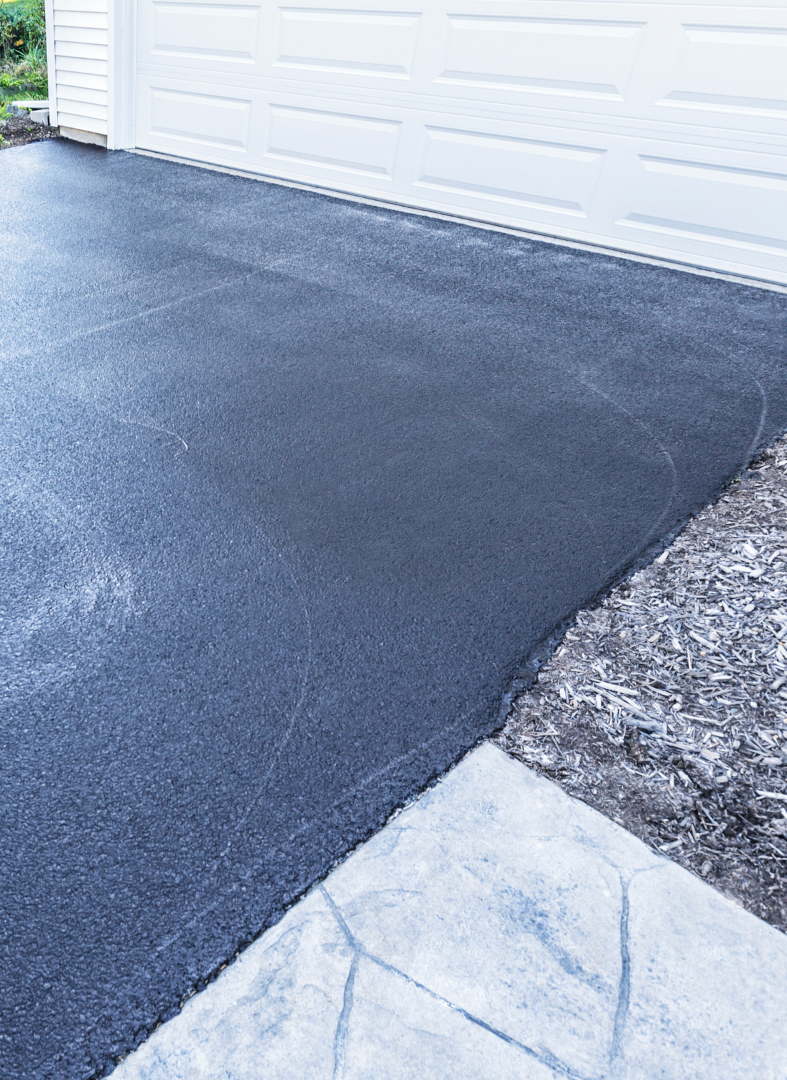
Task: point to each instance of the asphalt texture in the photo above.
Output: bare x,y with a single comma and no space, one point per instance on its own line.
292,488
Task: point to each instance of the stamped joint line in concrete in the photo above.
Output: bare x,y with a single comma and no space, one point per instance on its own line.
500,930
360,953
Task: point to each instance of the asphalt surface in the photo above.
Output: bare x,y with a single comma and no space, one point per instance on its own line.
291,489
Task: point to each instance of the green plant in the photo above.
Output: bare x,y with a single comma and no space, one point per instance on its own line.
22,29
22,50
21,80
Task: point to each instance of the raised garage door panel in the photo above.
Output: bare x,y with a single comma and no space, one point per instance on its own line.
194,117
653,127
372,43
564,57
525,172
673,196
358,144
215,33
732,69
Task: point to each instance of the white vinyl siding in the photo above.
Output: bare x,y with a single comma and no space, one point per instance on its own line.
81,64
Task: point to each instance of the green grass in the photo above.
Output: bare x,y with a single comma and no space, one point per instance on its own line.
22,50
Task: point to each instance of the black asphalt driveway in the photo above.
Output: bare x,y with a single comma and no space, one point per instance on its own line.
291,490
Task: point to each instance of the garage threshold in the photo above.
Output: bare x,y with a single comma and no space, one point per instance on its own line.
475,222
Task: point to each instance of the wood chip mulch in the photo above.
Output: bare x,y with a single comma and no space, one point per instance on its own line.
666,707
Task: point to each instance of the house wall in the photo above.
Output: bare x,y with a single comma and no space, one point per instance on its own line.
78,67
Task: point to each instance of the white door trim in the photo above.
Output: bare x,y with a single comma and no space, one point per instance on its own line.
50,61
122,27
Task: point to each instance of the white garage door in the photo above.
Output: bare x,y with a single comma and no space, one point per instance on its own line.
651,127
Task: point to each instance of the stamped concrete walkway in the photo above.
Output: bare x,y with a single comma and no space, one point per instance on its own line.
495,930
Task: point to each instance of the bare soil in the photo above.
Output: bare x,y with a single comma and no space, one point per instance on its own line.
18,130
666,707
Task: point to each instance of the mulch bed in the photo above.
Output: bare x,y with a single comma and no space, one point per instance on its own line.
18,130
666,707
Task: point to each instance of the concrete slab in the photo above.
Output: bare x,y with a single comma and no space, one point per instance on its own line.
496,928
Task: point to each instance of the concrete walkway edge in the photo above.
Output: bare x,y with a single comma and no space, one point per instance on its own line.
495,929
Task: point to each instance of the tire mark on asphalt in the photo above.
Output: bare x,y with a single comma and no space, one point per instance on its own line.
642,544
